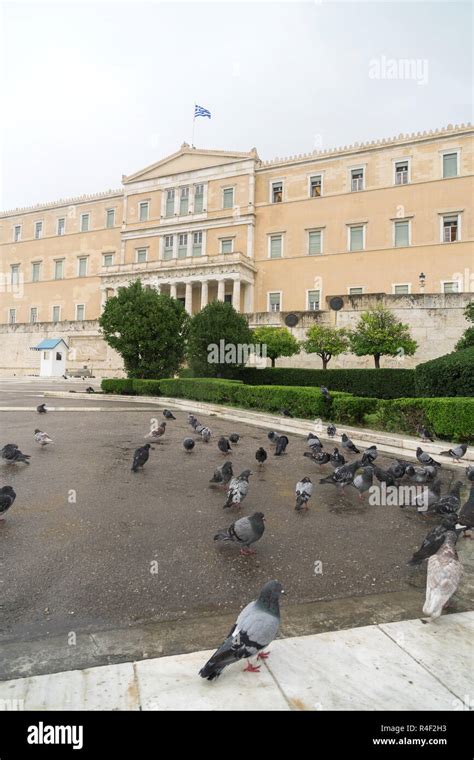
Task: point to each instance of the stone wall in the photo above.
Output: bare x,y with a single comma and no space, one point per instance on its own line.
436,322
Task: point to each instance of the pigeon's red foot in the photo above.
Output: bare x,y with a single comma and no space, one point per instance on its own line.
246,552
263,655
252,668
2,519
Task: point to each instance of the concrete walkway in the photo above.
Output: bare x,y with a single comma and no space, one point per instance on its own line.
408,665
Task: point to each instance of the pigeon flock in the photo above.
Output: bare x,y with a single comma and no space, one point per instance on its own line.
257,624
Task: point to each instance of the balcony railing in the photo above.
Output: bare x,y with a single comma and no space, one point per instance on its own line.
236,257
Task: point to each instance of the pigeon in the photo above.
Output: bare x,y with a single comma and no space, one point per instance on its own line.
140,457
281,445
42,438
325,392
157,432
273,436
370,455
234,437
384,476
450,503
421,474
188,444
7,497
314,443
286,413
222,475
337,459
470,472
347,444
245,531
363,480
320,457
206,434
434,540
238,490
304,491
342,476
442,578
12,454
191,419
397,470
466,513
261,455
90,389
224,445
403,463
198,428
255,628
455,454
424,458
169,415
331,430
41,409
431,494
425,434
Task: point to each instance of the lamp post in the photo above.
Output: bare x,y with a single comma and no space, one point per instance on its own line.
422,280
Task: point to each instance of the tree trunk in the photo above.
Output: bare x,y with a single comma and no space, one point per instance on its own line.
325,358
377,361
273,361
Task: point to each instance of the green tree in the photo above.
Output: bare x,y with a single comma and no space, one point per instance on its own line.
379,333
217,340
326,342
278,340
467,338
148,330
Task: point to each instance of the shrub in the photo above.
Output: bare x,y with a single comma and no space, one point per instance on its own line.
278,341
218,324
451,418
352,409
450,375
123,386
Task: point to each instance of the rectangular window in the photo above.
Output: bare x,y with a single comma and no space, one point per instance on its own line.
142,255
401,290
182,245
198,198
314,297
450,165
15,275
184,201
108,260
228,197
169,203
12,316
80,312
227,245
401,172
451,287
33,314
197,243
35,271
59,269
356,238
314,242
110,217
316,183
17,233
143,210
450,229
85,222
274,301
38,230
61,228
275,246
355,291
56,313
168,248
277,192
82,266
357,180
402,234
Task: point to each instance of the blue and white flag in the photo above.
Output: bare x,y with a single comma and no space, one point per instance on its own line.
200,111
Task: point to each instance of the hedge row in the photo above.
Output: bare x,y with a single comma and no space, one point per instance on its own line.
375,383
451,418
450,375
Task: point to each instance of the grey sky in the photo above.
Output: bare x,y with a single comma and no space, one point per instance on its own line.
94,90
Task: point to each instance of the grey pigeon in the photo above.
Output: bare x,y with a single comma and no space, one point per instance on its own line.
466,513
198,428
364,480
42,438
191,419
224,445
314,443
425,434
286,413
12,454
7,497
281,445
430,495
325,392
384,476
157,432
450,503
41,409
331,430
222,475
140,457
370,455
304,491
347,444
457,453
245,532
342,476
424,458
434,540
421,474
403,463
188,444
234,437
320,457
397,470
90,389
255,628
169,415
273,436
206,434
337,459
470,472
442,577
261,455
238,490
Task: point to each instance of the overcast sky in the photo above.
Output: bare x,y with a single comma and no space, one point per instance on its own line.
94,90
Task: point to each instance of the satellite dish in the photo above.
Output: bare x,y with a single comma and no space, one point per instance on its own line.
291,320
336,303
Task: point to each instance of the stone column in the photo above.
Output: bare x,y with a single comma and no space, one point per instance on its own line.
204,293
248,298
189,298
103,298
220,290
173,290
236,294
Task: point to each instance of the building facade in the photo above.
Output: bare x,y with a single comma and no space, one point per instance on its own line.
392,216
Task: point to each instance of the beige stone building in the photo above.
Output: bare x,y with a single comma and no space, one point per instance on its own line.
392,216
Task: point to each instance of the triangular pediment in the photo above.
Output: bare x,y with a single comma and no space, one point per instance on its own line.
188,159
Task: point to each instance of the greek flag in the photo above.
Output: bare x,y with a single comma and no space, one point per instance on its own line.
200,111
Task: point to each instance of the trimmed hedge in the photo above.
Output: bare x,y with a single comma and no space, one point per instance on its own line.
451,418
375,383
352,410
450,375
124,386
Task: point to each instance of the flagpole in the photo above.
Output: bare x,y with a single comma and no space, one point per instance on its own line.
194,121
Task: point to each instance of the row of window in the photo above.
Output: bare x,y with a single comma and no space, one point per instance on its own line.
80,312
84,225
82,270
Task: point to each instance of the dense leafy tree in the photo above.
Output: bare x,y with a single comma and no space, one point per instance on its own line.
278,341
379,333
467,339
218,341
326,342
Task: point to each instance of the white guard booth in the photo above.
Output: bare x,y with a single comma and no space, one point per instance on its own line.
53,352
